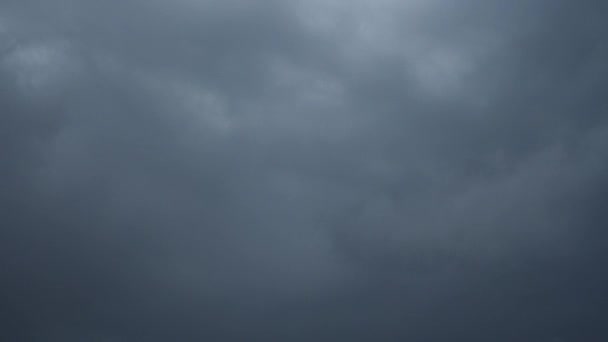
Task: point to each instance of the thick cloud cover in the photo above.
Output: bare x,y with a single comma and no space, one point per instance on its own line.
305,170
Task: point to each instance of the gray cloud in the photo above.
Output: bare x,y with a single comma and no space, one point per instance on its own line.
302,170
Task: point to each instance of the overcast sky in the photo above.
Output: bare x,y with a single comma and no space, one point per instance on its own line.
303,170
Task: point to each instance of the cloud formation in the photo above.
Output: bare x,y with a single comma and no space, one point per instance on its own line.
299,170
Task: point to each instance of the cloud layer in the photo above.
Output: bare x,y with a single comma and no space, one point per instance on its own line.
298,170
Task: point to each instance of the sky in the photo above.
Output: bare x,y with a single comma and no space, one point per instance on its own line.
303,170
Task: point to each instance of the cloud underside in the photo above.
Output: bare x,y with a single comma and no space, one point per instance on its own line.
303,170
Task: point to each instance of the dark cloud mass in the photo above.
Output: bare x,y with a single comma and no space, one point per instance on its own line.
303,170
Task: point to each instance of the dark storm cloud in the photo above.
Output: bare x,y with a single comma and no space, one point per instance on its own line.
303,170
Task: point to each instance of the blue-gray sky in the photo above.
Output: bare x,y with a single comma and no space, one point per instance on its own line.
303,170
